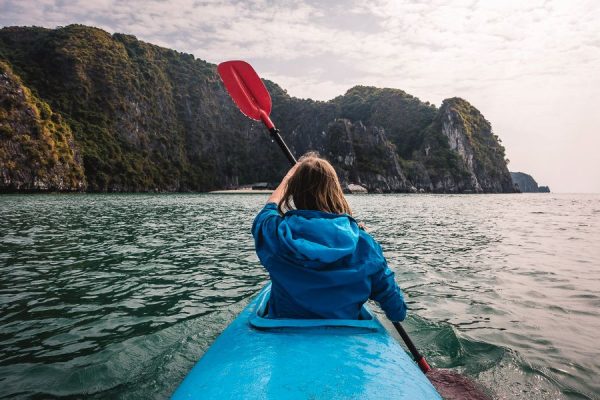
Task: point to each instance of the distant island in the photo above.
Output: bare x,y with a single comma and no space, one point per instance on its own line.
84,110
525,183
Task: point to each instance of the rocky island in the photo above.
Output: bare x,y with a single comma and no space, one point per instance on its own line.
525,183
84,110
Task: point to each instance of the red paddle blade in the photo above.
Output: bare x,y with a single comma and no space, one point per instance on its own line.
246,89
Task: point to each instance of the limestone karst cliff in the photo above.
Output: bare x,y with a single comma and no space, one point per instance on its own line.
137,117
481,155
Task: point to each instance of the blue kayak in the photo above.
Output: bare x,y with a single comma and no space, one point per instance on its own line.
262,358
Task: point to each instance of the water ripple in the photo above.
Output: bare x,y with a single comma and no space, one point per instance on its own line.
117,296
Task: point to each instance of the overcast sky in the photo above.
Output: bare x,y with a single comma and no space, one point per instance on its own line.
531,67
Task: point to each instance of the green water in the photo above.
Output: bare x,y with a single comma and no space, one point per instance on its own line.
117,296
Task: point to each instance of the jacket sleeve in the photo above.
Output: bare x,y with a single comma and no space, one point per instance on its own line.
385,291
264,230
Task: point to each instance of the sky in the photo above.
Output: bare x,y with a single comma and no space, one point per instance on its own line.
531,67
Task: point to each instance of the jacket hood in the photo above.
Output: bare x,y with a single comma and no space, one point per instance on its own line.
318,236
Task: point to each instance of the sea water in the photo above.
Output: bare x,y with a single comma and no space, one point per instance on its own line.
117,296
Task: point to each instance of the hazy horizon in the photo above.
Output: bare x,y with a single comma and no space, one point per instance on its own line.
531,69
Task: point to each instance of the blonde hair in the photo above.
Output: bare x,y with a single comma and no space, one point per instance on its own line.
314,186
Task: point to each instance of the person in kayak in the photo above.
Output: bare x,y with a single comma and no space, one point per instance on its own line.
321,264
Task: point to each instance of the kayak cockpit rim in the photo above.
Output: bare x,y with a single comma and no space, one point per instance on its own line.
258,319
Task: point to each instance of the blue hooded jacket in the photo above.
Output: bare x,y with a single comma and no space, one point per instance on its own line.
323,266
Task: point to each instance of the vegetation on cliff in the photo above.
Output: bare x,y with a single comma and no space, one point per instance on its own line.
149,118
37,151
404,117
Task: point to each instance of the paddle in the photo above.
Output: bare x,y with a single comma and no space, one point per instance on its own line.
451,385
252,97
420,360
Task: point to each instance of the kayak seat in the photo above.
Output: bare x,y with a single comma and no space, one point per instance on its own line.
258,319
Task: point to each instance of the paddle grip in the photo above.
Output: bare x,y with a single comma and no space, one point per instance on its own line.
413,350
277,137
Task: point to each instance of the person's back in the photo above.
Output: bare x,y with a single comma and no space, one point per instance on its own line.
321,264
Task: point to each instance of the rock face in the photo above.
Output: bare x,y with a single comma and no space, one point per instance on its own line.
482,157
526,184
131,116
365,156
37,150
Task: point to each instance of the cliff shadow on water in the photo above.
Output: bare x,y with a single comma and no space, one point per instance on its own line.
84,110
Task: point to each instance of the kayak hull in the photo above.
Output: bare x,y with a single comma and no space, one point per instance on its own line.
260,358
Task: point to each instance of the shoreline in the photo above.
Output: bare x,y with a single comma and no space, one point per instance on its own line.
241,191
248,191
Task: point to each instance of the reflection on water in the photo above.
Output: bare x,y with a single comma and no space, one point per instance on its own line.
117,296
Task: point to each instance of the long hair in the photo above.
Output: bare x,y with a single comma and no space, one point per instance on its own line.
314,186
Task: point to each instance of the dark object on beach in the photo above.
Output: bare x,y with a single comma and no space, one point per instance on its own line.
261,186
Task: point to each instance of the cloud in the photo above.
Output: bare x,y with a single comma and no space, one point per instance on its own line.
495,53
404,42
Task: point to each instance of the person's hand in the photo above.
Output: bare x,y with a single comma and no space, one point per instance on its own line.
361,225
291,172
278,192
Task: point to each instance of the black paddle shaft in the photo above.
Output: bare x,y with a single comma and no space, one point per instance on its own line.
411,346
277,137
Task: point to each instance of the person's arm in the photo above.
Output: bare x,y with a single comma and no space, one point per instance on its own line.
277,194
264,227
386,292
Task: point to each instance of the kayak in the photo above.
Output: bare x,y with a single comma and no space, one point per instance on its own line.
265,358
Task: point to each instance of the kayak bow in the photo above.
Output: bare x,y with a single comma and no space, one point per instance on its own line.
262,358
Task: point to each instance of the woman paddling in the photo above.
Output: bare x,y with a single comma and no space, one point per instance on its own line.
322,265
